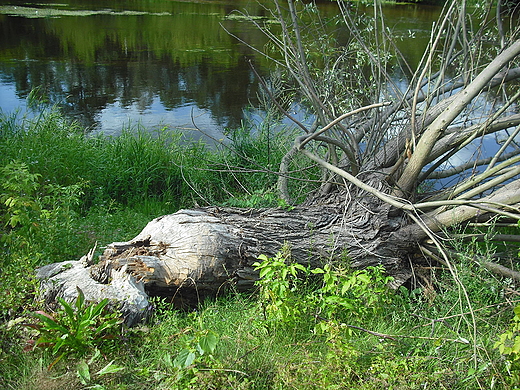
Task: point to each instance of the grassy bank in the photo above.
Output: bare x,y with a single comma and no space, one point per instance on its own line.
330,328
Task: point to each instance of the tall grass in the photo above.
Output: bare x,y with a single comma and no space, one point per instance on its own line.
139,165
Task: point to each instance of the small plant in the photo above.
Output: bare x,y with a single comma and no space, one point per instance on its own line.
202,342
508,345
358,293
344,294
19,187
36,223
31,211
278,285
76,329
85,375
198,348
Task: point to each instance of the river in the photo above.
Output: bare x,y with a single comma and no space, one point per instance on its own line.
161,64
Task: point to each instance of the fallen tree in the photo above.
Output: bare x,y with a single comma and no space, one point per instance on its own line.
373,206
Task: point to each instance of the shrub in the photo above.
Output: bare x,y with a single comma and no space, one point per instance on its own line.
36,222
344,295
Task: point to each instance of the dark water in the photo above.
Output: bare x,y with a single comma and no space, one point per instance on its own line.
160,63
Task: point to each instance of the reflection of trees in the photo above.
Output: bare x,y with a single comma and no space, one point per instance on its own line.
86,63
89,62
223,91
83,91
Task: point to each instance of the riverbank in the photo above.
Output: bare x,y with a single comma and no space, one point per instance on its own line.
62,192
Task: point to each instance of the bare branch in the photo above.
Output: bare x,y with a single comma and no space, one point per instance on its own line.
431,135
470,164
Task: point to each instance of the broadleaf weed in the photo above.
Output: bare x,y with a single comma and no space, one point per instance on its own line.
351,295
197,349
35,220
508,344
77,329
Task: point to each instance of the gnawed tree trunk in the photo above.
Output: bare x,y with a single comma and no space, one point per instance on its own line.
193,254
63,280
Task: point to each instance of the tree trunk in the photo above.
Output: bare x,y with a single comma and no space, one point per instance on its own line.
193,254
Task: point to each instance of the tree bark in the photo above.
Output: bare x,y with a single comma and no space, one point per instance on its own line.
202,250
193,254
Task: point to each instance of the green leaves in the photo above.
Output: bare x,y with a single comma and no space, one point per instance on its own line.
207,343
343,293
83,372
110,368
508,343
278,282
202,342
35,216
18,195
198,347
184,359
77,328
85,376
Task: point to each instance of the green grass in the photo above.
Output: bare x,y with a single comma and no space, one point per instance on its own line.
249,356
62,191
69,191
138,165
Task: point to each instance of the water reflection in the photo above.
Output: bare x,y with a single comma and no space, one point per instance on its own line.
107,69
159,63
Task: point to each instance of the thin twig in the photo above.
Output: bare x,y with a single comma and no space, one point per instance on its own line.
225,370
